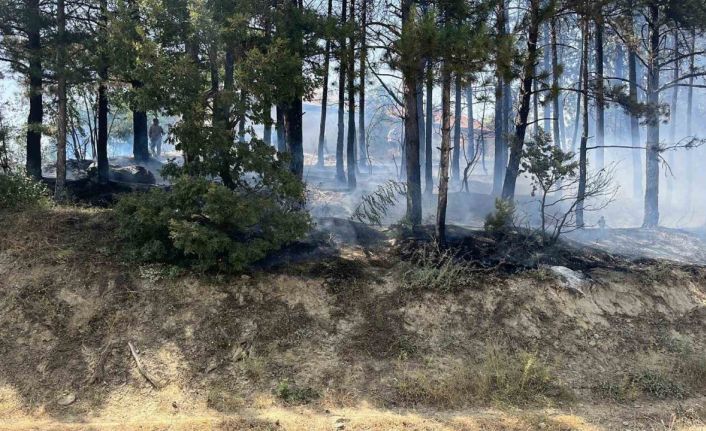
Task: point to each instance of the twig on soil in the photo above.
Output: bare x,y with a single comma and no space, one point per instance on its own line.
99,370
150,378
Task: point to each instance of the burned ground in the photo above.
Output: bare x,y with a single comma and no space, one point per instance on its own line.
342,332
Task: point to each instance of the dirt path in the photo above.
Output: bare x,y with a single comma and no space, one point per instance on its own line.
581,417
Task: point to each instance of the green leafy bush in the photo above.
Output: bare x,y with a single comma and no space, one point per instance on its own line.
208,225
17,190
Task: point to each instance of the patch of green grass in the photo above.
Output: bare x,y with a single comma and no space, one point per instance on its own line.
293,394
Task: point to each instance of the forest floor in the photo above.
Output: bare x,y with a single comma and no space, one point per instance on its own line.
356,336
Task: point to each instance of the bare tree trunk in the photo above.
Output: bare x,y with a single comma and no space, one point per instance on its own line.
140,143
579,92
456,159
673,117
36,107
420,118
324,97
293,136
471,150
535,106
547,65
279,128
102,141
410,77
581,195
445,150
651,218
557,112
350,148
689,116
500,124
342,54
362,140
600,98
62,120
634,122
518,140
428,149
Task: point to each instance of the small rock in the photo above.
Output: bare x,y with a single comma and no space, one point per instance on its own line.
626,423
592,343
245,277
573,281
542,425
67,399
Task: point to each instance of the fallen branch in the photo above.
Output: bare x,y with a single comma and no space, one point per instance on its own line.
99,370
149,377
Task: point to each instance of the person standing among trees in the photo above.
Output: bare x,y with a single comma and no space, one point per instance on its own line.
156,132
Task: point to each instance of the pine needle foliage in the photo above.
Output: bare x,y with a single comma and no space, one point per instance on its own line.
375,206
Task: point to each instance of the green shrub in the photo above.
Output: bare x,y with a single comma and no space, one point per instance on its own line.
208,225
17,190
503,217
292,394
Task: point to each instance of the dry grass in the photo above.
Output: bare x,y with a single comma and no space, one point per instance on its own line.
501,377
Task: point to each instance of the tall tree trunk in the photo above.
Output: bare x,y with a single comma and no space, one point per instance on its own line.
547,66
581,195
429,130
651,217
471,141
350,148
634,121
362,140
535,105
279,128
673,117
410,78
293,136
140,143
62,119
579,93
445,150
102,141
456,159
500,125
600,98
267,131
342,54
36,107
420,118
556,95
140,146
518,140
689,117
324,96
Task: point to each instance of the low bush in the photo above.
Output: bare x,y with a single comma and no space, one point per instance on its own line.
293,394
502,219
434,269
208,225
17,190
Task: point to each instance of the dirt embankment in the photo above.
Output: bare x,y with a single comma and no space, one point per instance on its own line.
346,342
